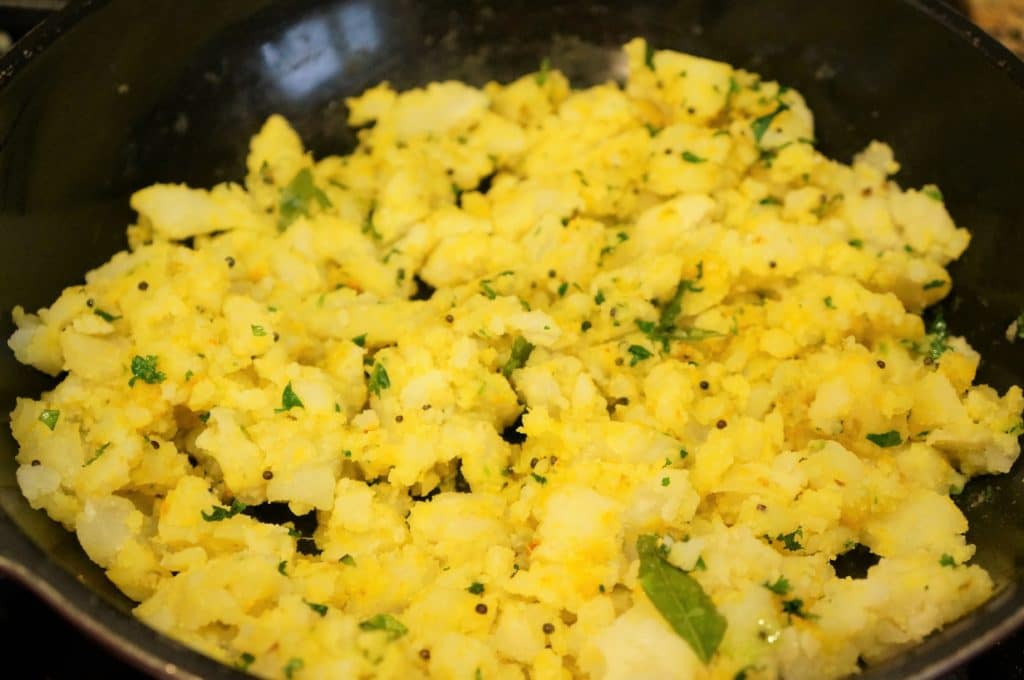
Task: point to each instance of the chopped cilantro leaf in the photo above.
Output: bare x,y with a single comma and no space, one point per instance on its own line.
790,540
106,316
770,200
760,125
521,350
245,660
545,69
49,417
99,452
289,400
933,192
780,587
485,288
360,340
348,560
379,379
384,622
540,479
885,439
856,243
294,664
599,298
639,353
144,369
281,567
828,302
563,289
258,331
935,283
649,56
296,197
795,607
368,226
691,157
939,333
476,588
219,513
320,609
665,481
947,560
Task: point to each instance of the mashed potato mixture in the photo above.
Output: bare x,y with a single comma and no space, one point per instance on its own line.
536,383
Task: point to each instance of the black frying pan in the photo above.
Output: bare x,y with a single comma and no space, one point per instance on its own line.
111,95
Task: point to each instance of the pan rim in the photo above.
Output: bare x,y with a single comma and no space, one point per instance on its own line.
22,560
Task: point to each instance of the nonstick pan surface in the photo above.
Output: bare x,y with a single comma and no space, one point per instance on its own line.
109,96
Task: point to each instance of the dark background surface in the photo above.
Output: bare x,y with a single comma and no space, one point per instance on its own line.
26,623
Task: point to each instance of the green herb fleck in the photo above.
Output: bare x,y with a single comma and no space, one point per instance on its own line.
281,567
245,660
680,599
320,609
780,587
649,56
144,369
563,289
99,452
368,225
385,622
294,664
856,243
545,69
885,439
476,588
360,340
935,283
379,379
521,350
585,326
939,334
485,288
258,331
691,157
49,417
296,197
540,479
933,192
639,353
289,400
795,607
347,560
683,453
760,125
599,298
106,316
665,481
188,375
651,130
789,541
828,302
219,513
947,560
770,200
